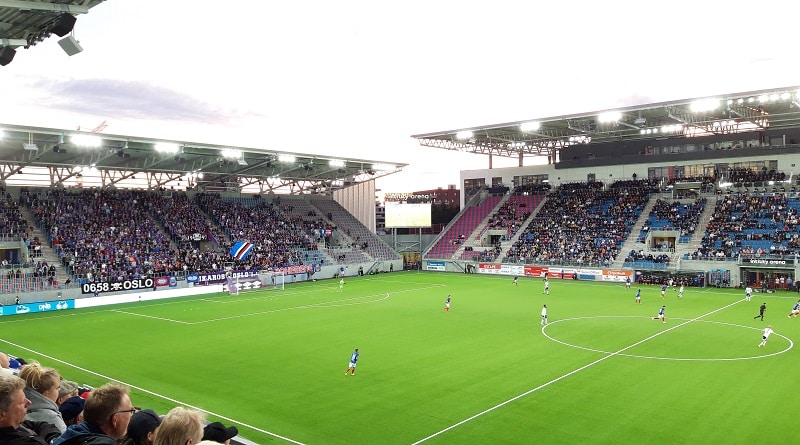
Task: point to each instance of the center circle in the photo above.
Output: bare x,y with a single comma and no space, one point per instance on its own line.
654,357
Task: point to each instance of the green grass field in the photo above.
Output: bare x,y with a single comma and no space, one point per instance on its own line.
603,371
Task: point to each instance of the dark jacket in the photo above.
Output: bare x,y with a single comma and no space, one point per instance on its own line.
84,433
20,436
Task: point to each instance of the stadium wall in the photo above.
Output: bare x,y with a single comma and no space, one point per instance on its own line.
183,288
359,200
787,159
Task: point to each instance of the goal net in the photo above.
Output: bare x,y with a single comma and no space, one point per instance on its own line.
262,281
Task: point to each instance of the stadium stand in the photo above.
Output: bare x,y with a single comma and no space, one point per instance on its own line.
365,243
466,222
581,223
752,224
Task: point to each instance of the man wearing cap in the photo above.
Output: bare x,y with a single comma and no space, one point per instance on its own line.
216,432
106,413
66,390
72,410
13,407
142,428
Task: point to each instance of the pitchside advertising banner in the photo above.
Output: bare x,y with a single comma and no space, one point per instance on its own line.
29,308
768,262
116,286
436,265
554,272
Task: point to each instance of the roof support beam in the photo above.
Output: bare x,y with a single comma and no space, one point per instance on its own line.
42,6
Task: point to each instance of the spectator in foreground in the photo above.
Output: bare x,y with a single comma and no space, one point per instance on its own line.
67,389
142,428
72,410
216,432
42,387
106,414
181,426
13,407
5,365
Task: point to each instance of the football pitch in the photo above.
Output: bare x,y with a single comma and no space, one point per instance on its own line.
486,372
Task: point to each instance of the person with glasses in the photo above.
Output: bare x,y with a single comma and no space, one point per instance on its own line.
181,426
106,415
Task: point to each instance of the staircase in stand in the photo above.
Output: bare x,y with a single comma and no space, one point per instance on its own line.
46,253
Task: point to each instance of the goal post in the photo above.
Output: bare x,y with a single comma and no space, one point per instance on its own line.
274,280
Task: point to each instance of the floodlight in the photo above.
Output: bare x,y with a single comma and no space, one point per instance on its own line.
609,116
231,153
464,134
241,161
30,147
703,105
86,140
287,158
530,126
166,147
336,163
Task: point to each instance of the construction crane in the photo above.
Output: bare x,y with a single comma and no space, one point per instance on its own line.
98,129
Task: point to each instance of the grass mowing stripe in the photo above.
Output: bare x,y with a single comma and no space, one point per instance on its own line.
573,372
144,390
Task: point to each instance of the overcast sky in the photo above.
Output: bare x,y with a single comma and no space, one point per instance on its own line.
357,78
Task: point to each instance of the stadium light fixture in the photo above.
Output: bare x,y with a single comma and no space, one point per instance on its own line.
336,163
287,158
85,140
704,105
167,147
609,116
231,153
528,127
2,135
464,134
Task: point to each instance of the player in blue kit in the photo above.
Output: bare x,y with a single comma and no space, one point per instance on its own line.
638,298
351,367
627,282
661,314
516,277
663,290
795,310
447,304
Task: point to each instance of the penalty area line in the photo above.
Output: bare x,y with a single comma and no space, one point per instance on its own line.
573,372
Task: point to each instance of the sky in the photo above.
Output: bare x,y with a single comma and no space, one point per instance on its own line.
358,78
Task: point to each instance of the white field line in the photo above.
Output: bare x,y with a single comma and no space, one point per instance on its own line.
557,379
160,396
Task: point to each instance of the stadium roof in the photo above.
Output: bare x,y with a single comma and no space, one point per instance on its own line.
63,155
726,114
24,23
55,156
